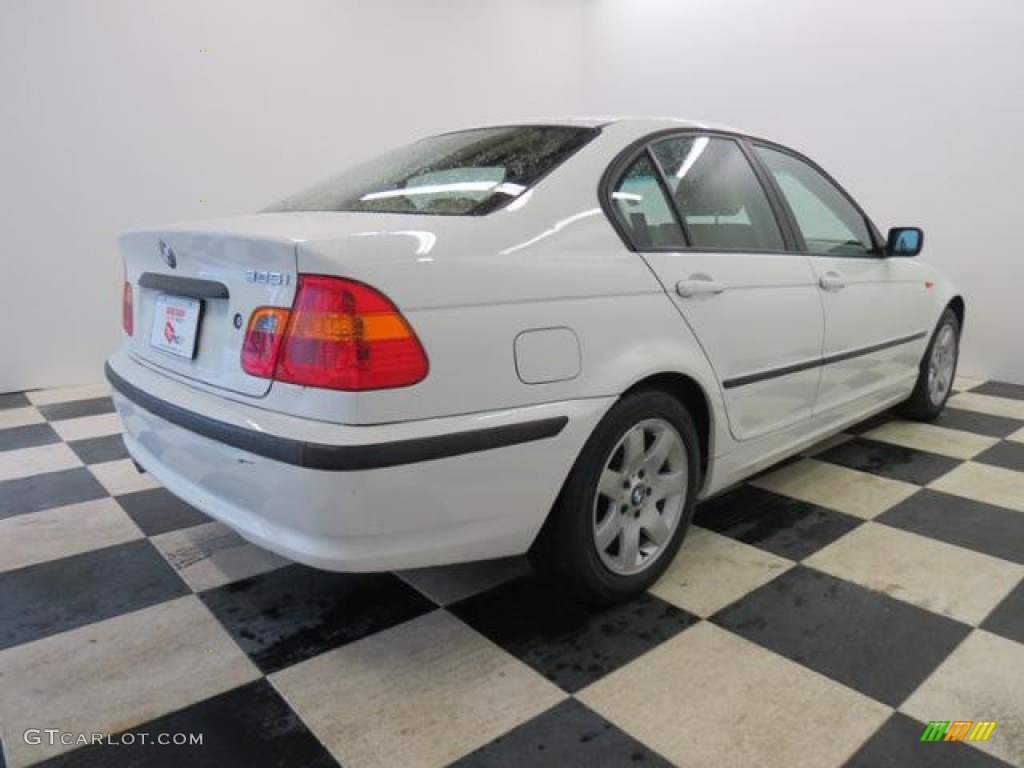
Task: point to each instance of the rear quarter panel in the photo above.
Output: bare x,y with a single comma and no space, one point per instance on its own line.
468,309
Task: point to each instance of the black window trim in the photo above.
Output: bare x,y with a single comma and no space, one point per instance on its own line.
625,159
666,191
878,244
784,217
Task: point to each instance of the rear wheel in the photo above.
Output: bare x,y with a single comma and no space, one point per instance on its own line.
938,367
627,503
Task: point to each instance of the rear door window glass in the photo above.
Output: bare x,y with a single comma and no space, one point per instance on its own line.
718,195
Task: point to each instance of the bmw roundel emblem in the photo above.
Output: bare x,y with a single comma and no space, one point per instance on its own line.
167,254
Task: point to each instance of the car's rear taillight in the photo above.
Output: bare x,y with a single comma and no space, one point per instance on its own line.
263,340
127,309
339,334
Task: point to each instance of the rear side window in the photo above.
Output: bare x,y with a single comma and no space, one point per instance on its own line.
718,195
643,210
469,173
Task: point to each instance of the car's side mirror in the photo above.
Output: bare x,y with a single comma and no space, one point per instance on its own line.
904,241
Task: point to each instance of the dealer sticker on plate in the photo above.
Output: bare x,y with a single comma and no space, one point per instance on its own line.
176,325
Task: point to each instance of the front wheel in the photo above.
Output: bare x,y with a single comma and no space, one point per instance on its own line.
938,367
625,507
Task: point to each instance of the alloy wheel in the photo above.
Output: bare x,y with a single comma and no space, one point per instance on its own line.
640,497
942,364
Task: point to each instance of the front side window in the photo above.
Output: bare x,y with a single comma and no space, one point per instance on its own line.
829,222
718,195
642,209
469,173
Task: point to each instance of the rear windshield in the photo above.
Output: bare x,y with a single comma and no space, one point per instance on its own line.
469,173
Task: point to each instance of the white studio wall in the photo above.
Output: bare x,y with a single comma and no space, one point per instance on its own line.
120,114
916,106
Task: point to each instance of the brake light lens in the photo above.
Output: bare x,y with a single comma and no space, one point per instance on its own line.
127,309
339,334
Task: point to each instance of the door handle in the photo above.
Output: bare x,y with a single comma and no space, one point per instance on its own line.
697,285
832,281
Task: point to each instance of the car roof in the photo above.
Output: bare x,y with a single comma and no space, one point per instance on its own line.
634,126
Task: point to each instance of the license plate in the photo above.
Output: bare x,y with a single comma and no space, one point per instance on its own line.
176,325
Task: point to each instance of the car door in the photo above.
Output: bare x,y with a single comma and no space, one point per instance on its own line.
693,207
873,305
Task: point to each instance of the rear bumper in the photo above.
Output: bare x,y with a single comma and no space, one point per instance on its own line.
338,458
355,498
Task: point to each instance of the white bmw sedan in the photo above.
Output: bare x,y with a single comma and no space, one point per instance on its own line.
552,338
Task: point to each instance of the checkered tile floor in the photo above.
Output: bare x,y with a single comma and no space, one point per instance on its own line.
819,615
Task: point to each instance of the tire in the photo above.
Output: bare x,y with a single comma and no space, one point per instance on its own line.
627,503
935,376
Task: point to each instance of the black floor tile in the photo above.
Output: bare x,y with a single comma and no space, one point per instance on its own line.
1000,389
157,511
76,409
245,727
893,461
978,423
53,489
778,524
569,643
872,423
13,400
294,613
566,736
897,744
97,450
28,436
42,600
1008,617
863,639
956,520
1007,454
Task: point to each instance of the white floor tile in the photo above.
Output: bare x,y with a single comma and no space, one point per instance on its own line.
25,462
421,694
88,426
710,698
994,406
20,417
67,394
712,571
54,533
983,679
121,477
982,482
954,443
211,555
930,574
115,674
834,487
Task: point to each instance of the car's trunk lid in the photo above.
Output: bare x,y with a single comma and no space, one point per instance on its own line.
210,278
